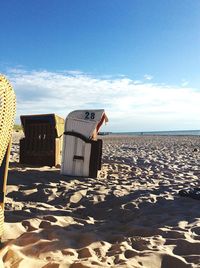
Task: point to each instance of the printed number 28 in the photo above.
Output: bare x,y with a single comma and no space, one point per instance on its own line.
89,115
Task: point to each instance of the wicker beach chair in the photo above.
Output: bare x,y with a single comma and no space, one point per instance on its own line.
7,115
42,142
82,151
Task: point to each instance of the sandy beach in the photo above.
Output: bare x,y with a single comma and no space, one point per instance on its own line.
130,216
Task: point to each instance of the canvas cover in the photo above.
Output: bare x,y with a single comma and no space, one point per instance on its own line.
86,122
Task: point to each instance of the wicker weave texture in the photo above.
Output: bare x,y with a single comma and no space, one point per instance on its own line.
7,114
1,221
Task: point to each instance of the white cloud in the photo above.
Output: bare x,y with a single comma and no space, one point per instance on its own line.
184,83
131,106
148,77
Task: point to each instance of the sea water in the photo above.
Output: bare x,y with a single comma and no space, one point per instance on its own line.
162,133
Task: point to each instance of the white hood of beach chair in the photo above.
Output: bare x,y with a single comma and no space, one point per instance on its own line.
86,122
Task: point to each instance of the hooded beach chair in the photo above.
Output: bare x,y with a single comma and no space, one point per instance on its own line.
7,115
42,142
82,151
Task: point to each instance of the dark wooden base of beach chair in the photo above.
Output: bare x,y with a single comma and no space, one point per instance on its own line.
40,156
3,183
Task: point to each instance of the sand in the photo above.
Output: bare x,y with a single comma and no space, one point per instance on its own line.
130,216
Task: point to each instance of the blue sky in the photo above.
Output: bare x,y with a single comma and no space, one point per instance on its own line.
138,59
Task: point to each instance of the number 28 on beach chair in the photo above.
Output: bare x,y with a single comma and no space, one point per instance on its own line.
82,151
7,115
